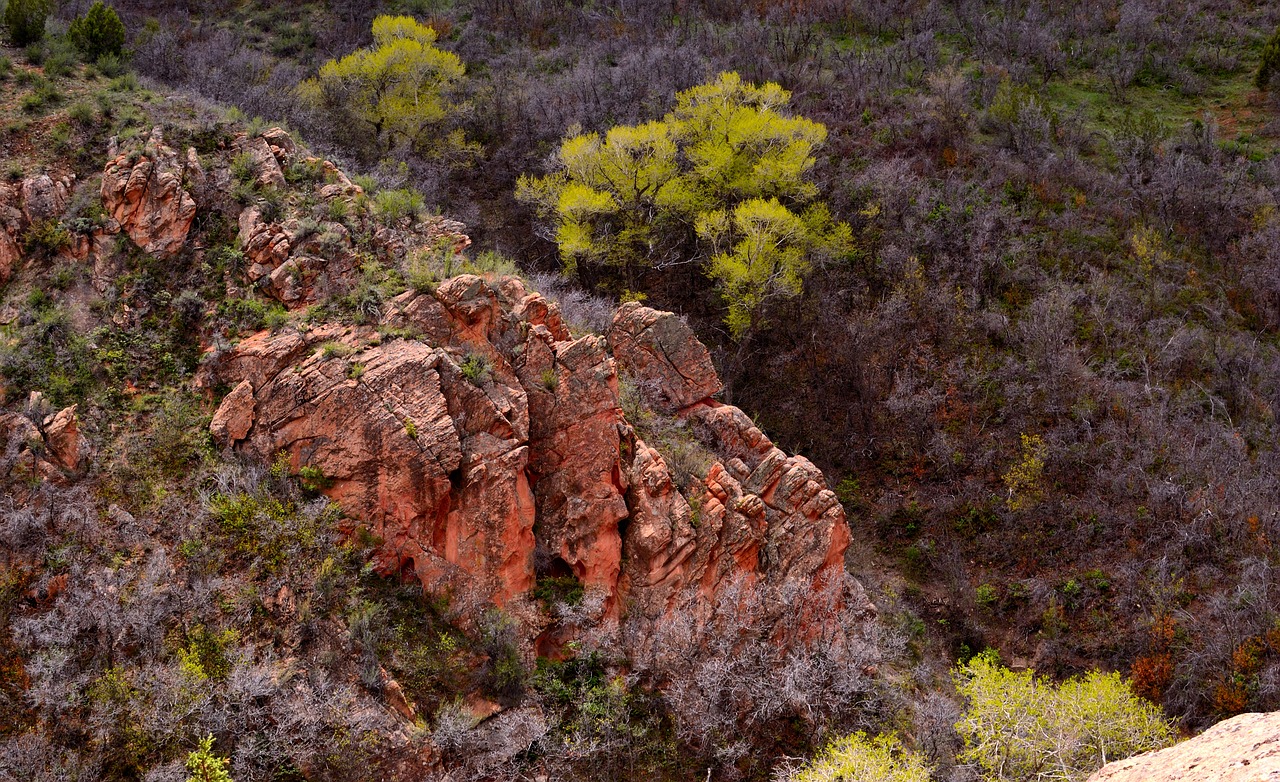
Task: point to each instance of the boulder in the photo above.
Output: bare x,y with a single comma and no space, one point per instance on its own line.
280,143
62,438
1242,749
266,169
661,349
145,195
265,245
234,417
44,198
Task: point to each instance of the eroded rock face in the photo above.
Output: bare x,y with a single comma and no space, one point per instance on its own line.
1242,749
493,422
62,438
145,195
11,223
266,168
44,198
29,453
660,348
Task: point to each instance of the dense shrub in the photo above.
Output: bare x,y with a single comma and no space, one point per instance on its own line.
857,757
725,177
25,20
396,92
1018,727
1269,68
99,33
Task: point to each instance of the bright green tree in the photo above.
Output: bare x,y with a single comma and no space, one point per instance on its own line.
98,32
724,180
204,766
1270,67
763,252
398,89
1019,727
856,757
25,20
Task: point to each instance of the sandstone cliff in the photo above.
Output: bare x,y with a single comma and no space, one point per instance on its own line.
490,433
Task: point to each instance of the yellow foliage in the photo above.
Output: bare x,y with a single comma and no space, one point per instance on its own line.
397,89
1023,480
856,757
723,178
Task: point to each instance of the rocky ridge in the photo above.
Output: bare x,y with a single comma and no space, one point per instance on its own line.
491,434
483,443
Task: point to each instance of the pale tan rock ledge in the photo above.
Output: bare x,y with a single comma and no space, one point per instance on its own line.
1242,749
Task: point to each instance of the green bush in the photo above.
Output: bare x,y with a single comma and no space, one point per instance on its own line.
395,205
1270,66
48,355
879,759
60,62
25,20
98,33
1020,727
81,113
205,766
476,368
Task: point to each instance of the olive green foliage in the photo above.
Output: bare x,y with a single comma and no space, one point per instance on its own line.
48,354
99,32
205,766
857,757
1270,66
267,531
1019,727
398,89
25,19
723,179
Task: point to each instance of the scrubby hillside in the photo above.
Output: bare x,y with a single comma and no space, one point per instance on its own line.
1044,368
273,475
296,458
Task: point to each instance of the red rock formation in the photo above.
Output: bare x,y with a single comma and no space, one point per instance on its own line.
658,347
62,437
146,197
450,445
11,224
266,169
757,513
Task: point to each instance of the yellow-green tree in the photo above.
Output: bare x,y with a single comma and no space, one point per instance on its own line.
1019,727
724,181
857,757
398,90
204,766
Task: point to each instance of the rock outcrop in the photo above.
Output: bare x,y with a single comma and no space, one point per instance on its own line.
40,453
1242,749
483,445
32,201
659,347
11,224
144,193
492,434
